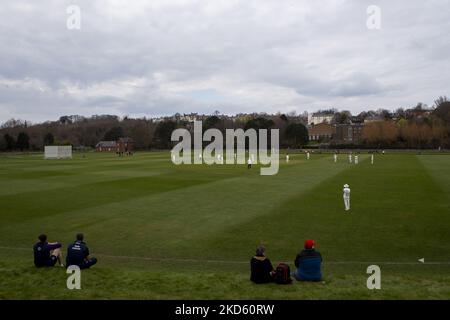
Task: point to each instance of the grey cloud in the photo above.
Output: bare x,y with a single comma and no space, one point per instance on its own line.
260,55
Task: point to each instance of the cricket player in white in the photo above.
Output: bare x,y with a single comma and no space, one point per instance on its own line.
307,155
356,159
335,158
287,158
347,197
371,159
350,160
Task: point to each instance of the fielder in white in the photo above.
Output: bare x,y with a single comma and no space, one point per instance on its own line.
346,197
356,159
287,158
371,159
335,158
307,155
350,159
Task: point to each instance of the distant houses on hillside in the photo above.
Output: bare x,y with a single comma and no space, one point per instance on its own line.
321,117
336,133
417,127
323,127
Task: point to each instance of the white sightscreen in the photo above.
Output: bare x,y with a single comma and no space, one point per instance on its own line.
57,152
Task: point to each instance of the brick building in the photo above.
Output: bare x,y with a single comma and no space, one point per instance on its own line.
121,145
348,133
106,146
321,132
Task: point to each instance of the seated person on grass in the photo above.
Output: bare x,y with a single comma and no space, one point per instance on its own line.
260,267
78,254
308,263
47,254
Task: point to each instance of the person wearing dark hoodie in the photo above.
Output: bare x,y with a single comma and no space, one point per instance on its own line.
308,263
46,254
260,267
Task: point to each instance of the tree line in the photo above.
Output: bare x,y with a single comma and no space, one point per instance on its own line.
418,127
86,132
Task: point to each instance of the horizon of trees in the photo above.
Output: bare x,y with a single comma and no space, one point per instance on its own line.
417,127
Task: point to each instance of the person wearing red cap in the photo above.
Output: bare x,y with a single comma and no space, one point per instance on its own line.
309,263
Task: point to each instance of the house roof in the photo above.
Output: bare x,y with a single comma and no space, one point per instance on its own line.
373,119
323,114
106,144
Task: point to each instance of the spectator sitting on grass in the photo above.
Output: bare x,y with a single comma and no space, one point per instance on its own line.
261,267
47,254
78,254
308,263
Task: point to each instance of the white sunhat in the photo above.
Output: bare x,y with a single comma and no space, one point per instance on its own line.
346,186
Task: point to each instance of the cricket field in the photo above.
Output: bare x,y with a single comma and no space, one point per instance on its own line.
162,231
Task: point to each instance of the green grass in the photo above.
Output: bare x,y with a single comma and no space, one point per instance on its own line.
162,231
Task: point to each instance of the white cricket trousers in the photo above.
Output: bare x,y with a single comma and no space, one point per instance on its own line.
347,203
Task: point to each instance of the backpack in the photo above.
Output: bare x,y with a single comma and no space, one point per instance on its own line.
283,274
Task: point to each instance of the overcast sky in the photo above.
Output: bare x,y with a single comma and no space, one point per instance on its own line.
151,58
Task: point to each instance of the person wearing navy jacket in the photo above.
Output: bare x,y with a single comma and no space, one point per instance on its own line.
78,254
